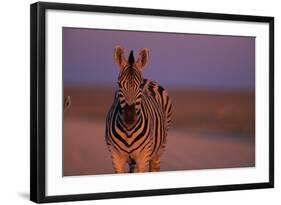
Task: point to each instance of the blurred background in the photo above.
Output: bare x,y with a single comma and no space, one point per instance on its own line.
210,78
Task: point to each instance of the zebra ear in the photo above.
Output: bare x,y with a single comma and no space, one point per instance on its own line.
143,58
119,56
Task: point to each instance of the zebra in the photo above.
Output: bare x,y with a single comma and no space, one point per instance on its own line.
66,103
139,118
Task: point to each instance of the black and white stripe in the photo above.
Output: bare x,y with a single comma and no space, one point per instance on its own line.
138,121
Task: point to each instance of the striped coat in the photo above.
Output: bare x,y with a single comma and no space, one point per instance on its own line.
138,120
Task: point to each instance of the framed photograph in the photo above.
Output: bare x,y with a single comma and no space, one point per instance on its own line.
129,102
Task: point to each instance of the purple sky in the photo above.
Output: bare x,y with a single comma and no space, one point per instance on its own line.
176,60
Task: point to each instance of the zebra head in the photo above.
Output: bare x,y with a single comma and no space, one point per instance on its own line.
130,82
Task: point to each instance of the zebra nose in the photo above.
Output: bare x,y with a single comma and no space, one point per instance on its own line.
129,113
129,107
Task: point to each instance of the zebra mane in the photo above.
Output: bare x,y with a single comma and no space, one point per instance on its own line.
131,58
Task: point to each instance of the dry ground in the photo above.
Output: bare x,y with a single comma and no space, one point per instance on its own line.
210,129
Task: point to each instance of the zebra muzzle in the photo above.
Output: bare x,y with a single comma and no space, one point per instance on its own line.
129,114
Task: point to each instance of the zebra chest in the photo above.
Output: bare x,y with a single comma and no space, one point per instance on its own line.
133,137
133,132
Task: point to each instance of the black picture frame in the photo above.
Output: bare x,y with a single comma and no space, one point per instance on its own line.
38,97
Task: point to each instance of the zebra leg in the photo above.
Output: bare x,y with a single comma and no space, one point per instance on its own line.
119,162
132,166
155,164
142,164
